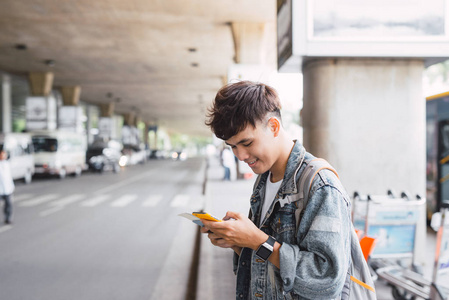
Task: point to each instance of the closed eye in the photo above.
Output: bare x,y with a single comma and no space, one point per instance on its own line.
247,145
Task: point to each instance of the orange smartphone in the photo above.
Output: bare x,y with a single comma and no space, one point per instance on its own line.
206,216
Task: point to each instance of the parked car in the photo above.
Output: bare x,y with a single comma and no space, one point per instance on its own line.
179,155
19,148
156,154
59,153
104,156
132,155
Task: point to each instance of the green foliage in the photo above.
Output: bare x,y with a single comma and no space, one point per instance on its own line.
18,125
440,70
182,141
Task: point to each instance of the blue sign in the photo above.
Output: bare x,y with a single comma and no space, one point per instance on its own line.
393,239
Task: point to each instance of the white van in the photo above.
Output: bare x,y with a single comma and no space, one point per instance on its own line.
19,148
59,152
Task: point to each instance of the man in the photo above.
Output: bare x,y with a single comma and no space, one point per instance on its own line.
310,262
6,185
228,162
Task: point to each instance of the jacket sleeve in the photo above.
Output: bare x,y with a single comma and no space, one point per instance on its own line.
317,268
235,262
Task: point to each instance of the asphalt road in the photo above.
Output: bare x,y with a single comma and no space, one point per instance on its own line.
98,236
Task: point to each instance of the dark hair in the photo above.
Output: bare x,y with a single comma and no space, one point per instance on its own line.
238,104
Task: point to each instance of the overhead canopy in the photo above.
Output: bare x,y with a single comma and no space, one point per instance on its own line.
163,60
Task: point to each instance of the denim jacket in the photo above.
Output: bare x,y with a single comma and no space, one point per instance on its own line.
315,258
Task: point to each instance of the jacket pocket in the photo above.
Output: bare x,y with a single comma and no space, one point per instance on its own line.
283,224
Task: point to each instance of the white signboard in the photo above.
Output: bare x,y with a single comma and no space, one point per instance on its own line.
105,127
40,113
377,19
70,118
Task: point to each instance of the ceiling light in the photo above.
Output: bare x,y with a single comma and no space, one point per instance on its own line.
50,62
21,47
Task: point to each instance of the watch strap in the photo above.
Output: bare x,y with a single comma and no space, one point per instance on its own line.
266,249
271,240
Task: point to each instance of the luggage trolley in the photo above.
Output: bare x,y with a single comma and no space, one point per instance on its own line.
439,287
392,221
415,283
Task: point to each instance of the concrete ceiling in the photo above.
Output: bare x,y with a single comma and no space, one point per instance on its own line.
141,51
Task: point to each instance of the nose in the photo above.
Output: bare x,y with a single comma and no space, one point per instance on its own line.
241,153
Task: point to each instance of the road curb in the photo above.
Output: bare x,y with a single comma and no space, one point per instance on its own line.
192,284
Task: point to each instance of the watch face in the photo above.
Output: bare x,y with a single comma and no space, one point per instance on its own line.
263,253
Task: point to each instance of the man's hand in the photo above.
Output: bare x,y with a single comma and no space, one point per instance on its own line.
240,232
214,239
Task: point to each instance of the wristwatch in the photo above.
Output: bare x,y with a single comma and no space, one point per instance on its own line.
264,251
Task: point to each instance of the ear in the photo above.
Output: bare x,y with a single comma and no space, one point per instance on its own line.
274,125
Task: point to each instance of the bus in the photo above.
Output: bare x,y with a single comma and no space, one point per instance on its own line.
437,151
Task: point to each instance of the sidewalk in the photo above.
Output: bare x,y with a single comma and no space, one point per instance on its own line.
216,278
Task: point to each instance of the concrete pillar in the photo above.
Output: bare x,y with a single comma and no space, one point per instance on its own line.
41,83
129,118
137,120
370,113
41,106
255,51
89,126
70,95
130,134
70,114
145,135
106,122
107,109
152,133
6,104
224,80
367,118
155,145
248,40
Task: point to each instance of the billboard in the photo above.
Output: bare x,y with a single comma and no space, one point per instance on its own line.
369,28
377,20
40,113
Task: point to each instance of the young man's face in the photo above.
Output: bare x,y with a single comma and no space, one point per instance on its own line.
255,146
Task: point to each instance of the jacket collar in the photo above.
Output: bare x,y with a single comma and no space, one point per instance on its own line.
294,162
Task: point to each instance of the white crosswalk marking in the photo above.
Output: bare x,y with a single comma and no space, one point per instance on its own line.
124,200
21,197
51,211
152,201
95,201
67,200
180,200
39,200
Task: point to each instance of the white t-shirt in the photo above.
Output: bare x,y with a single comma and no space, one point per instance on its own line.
271,190
228,158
